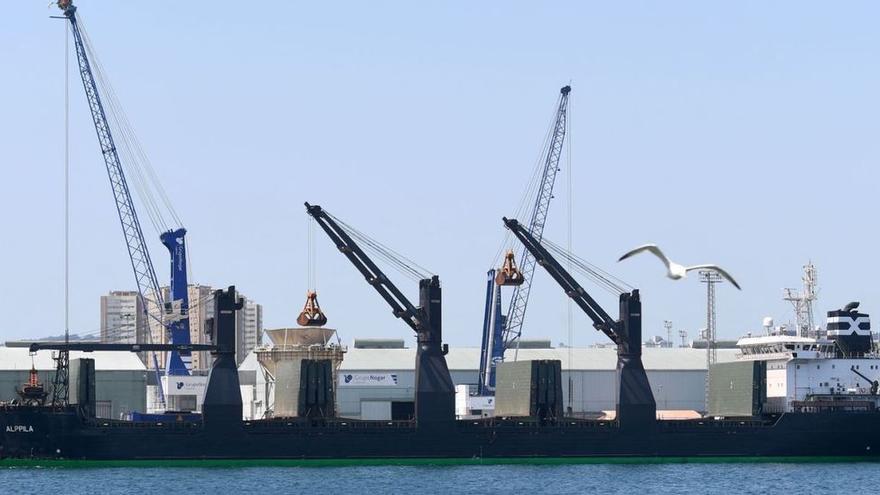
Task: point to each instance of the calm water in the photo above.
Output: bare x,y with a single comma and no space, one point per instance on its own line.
725,479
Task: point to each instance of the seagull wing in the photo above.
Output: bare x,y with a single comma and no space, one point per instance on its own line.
651,248
717,269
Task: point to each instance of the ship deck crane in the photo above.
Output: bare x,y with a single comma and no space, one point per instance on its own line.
875,384
501,332
435,393
175,322
636,406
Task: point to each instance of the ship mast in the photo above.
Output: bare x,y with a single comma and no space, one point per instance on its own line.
803,302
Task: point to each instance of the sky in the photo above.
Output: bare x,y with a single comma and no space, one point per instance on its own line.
743,134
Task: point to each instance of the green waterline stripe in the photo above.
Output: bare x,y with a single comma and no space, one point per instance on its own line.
316,463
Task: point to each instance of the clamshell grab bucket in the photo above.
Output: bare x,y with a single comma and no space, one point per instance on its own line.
311,315
509,274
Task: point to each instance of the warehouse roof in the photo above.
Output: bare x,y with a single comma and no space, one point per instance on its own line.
18,358
468,358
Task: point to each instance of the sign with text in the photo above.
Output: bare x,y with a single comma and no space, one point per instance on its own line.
367,380
185,385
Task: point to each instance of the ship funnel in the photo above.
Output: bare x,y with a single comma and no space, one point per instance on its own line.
850,330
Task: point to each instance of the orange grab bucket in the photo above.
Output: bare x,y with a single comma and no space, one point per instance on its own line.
509,274
311,315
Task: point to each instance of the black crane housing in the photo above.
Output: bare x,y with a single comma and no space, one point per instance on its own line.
435,393
636,407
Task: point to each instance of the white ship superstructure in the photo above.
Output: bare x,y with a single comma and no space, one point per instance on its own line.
839,371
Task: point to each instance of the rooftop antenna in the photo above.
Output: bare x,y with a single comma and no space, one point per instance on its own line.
683,335
710,278
803,301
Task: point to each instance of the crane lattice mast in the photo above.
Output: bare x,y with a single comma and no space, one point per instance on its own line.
138,252
141,264
501,332
520,298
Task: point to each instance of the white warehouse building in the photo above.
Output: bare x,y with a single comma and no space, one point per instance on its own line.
120,377
379,383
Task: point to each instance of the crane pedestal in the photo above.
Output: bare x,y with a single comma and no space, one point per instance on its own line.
636,407
222,404
435,393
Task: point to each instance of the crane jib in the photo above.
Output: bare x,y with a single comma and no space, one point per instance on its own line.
520,298
145,274
138,252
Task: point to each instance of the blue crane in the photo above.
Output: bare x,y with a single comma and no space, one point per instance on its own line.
176,322
179,363
501,332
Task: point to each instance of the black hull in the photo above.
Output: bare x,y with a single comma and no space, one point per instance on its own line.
38,434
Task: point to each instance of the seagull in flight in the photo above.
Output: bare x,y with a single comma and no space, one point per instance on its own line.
674,270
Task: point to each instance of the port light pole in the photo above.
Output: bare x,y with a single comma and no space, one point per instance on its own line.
710,278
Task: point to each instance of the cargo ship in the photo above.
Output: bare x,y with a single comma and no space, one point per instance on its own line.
787,397
795,398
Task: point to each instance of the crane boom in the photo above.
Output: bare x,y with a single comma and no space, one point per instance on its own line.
520,298
875,384
400,305
602,321
139,254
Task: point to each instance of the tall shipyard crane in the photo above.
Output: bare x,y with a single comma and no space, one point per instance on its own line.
173,317
502,332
